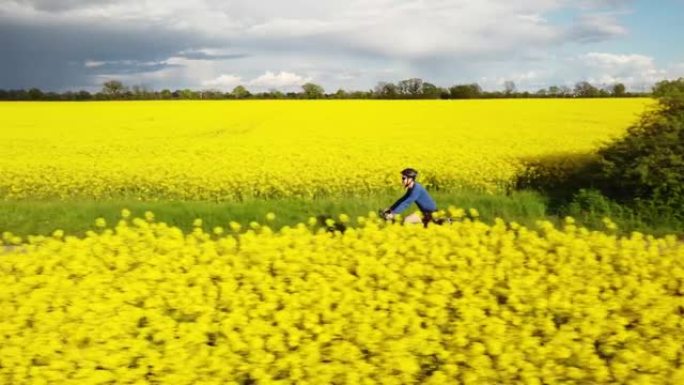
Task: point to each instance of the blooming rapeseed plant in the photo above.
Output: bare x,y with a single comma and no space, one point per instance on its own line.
381,303
231,150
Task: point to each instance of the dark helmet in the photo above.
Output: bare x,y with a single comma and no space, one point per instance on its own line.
409,173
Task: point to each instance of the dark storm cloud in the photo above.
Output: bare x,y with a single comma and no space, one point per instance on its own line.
125,67
53,57
71,44
62,5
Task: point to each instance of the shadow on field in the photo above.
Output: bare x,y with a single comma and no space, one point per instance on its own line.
560,176
330,224
575,185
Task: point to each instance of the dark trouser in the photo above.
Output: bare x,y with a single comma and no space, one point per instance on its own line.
427,217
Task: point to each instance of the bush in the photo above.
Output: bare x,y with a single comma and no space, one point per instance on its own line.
590,207
559,175
646,167
639,177
591,203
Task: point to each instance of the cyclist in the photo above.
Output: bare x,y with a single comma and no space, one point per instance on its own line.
415,192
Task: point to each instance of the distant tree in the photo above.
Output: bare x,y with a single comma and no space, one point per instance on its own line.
313,91
35,94
341,94
444,93
140,92
431,91
386,90
240,92
83,95
361,94
411,87
509,87
20,94
564,91
188,94
277,94
670,95
113,89
68,95
465,91
211,94
407,88
618,90
584,89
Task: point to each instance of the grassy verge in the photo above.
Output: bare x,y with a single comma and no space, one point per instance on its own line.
76,217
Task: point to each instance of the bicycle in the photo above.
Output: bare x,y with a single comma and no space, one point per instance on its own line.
426,219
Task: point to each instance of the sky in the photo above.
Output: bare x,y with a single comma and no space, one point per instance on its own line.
61,45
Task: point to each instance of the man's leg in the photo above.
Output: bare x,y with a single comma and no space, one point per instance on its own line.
413,218
427,218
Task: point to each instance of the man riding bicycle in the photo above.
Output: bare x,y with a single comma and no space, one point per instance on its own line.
415,192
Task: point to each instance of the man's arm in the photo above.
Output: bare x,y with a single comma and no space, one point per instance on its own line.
404,202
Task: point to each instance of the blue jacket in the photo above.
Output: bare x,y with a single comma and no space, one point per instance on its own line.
417,194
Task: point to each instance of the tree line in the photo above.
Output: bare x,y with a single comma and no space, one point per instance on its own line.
413,88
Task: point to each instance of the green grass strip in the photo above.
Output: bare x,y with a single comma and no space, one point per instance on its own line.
76,217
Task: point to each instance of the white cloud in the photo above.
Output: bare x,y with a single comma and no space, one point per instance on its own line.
635,70
403,29
618,62
269,80
223,82
94,63
351,44
280,80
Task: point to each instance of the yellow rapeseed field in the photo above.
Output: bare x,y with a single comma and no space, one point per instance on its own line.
224,150
465,303
142,302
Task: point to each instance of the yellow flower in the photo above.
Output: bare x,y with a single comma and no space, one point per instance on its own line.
235,226
609,224
154,163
